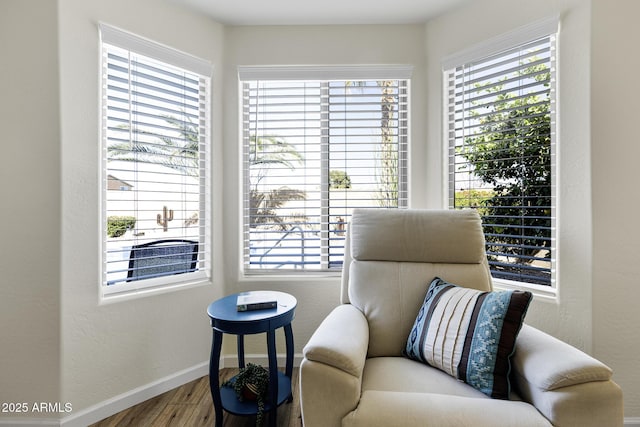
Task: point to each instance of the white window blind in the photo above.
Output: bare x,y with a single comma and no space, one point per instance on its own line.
155,147
313,151
501,124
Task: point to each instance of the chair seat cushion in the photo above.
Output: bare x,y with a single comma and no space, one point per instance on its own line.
469,334
405,375
401,409
397,391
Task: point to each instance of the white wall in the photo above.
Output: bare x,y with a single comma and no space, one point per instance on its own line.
115,348
310,45
615,152
29,203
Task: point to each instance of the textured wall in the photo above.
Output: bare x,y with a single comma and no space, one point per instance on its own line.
615,153
29,204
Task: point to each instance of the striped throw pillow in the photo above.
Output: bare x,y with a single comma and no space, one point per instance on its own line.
469,334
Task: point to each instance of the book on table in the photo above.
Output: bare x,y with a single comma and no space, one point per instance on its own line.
249,301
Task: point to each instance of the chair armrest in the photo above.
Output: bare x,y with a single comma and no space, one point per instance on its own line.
548,363
565,384
341,340
331,371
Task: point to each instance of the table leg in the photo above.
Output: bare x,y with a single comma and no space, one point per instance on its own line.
214,380
240,351
288,335
273,376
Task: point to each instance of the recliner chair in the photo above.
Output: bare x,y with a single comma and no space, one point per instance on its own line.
355,371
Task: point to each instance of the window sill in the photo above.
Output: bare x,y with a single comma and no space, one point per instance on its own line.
540,292
293,276
132,293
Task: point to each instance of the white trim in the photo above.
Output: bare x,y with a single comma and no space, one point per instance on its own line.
326,72
632,421
503,42
29,422
548,293
133,397
141,292
141,45
138,287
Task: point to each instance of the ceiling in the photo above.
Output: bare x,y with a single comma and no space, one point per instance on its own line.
322,12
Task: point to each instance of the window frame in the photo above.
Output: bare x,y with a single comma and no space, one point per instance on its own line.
316,74
505,42
174,59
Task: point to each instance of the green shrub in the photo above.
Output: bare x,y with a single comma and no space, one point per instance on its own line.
118,225
339,179
475,199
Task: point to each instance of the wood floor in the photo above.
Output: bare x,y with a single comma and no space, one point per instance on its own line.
190,406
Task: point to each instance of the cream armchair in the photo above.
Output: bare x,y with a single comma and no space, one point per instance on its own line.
354,372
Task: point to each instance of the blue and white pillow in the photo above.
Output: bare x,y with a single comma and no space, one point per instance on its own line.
469,334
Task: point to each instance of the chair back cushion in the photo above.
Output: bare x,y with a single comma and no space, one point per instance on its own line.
394,256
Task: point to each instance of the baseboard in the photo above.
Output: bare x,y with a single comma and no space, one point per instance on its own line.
29,422
632,421
131,398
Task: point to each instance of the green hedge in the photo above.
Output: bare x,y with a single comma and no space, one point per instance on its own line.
118,225
475,199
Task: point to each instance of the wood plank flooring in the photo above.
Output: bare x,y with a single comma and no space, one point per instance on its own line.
191,406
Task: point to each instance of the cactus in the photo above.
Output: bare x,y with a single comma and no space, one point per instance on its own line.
163,220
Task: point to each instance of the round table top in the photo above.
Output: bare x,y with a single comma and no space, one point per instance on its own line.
226,318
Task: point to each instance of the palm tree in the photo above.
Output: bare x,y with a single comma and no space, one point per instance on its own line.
264,206
387,175
387,194
179,153
270,150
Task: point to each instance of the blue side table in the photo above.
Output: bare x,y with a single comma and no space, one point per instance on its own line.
225,319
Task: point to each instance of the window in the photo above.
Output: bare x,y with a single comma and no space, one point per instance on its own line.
314,149
155,166
501,134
